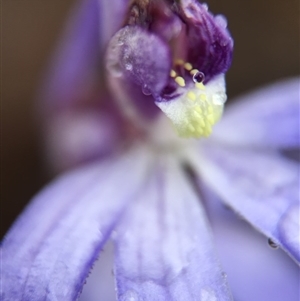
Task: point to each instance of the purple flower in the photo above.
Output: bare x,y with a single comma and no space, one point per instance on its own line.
123,73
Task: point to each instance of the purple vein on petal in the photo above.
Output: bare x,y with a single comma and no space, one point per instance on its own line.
49,251
260,186
268,117
163,244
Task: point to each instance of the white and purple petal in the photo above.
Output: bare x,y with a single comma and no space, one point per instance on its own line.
51,248
163,243
262,187
268,117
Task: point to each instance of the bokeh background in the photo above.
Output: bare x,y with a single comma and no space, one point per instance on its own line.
266,35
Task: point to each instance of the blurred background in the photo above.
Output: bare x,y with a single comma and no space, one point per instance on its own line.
266,35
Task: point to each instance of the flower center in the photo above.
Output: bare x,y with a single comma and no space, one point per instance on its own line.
199,106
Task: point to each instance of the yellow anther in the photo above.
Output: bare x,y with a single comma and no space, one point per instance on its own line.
199,131
200,86
194,71
188,66
195,111
172,73
180,81
191,95
203,97
198,109
179,62
196,114
201,122
210,119
191,128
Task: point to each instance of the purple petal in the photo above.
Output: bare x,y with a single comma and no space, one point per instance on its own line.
261,187
255,270
51,248
140,56
163,245
75,66
268,117
209,44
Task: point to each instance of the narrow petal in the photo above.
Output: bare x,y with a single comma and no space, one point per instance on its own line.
50,250
261,187
268,117
163,245
76,63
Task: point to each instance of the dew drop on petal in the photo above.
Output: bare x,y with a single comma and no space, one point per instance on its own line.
130,296
146,90
272,244
128,66
198,77
205,6
224,275
221,21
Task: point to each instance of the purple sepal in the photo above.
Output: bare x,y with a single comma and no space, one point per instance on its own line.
74,63
167,253
209,44
268,117
140,56
51,248
262,187
76,66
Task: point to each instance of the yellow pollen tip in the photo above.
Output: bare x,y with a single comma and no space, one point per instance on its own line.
200,86
195,112
172,73
179,62
191,95
194,71
188,66
180,81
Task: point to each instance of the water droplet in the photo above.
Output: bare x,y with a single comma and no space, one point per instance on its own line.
198,77
205,6
130,296
272,244
221,21
208,295
224,275
128,66
146,90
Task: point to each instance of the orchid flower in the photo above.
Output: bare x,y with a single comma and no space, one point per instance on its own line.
133,108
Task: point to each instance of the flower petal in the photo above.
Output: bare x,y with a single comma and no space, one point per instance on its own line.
49,251
210,45
261,187
268,117
255,270
75,65
163,245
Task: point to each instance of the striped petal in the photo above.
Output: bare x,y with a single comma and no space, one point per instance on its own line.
261,187
255,270
163,244
268,117
50,250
